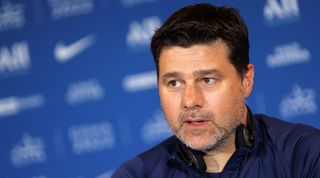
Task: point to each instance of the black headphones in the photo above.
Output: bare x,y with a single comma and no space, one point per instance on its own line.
244,138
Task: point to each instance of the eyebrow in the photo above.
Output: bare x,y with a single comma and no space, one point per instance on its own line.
198,73
205,72
173,74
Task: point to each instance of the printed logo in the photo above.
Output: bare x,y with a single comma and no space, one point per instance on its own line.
128,3
107,174
28,151
140,33
68,8
84,91
14,61
64,53
14,105
282,11
288,54
156,128
11,16
298,102
88,138
42,176
141,81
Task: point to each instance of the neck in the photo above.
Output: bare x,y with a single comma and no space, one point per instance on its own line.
216,160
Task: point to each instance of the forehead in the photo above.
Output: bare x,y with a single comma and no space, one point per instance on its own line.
197,57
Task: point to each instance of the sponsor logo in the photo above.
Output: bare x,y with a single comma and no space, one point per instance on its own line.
140,33
28,151
298,102
11,16
128,3
281,11
64,53
84,91
14,61
14,105
88,138
288,54
141,81
107,174
42,176
68,8
156,128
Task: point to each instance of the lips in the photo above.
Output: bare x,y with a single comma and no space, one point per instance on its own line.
196,121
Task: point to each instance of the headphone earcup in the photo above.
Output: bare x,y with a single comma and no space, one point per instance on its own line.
192,158
243,137
197,160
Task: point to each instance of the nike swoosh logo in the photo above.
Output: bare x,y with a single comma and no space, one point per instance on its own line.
64,53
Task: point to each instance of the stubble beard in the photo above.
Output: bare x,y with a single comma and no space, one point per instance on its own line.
219,134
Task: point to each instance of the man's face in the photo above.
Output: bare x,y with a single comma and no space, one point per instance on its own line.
202,95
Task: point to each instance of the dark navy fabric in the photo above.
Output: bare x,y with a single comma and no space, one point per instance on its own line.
281,150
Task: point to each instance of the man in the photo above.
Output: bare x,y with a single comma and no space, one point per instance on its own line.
204,76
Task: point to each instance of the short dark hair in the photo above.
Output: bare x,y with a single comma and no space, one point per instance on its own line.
204,24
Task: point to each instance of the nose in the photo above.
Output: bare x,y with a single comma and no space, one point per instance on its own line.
193,98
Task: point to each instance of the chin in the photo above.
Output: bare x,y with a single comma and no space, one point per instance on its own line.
200,144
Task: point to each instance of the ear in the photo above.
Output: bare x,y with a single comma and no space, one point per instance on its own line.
247,82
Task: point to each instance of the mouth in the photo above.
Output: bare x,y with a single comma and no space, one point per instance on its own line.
196,121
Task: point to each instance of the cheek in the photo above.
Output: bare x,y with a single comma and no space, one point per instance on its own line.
170,105
221,100
217,99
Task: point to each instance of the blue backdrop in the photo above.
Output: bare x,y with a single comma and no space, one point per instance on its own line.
78,93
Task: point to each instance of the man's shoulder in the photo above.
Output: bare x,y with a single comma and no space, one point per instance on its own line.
292,144
289,138
160,152
145,162
278,129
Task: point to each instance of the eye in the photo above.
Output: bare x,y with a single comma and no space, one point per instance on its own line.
208,81
174,84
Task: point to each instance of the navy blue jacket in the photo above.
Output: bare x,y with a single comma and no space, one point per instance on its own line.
281,150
